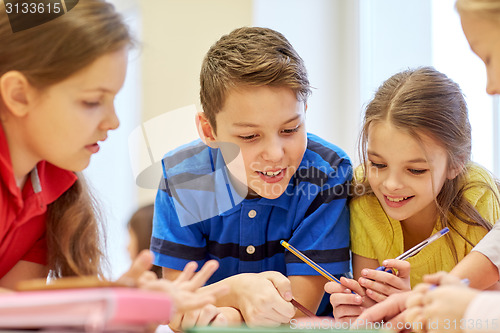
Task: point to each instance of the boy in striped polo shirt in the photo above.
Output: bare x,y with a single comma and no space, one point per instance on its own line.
256,177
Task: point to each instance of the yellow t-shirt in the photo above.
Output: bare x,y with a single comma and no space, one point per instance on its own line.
375,235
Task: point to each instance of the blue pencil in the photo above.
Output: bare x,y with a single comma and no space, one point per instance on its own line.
417,248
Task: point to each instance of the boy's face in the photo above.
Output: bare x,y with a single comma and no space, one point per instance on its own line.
268,125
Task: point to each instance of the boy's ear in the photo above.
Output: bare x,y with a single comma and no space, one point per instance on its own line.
205,130
15,89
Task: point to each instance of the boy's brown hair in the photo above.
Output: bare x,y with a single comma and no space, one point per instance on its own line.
250,56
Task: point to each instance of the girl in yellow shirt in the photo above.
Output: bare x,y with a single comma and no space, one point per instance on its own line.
416,178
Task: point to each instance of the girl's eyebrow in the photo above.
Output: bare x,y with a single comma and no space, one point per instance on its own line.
417,160
371,152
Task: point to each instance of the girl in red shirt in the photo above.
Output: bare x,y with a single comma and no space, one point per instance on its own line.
58,81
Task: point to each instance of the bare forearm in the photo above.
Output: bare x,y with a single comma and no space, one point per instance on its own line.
23,270
480,271
308,291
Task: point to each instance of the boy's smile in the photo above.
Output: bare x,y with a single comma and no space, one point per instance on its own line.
268,125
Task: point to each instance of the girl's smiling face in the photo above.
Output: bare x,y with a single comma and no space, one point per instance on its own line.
405,174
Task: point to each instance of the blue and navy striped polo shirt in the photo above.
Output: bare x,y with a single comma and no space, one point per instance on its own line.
199,216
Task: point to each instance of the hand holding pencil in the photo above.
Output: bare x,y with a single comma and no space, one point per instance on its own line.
380,286
372,287
348,296
313,265
347,303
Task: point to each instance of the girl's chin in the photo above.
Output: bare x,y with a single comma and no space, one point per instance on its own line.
74,167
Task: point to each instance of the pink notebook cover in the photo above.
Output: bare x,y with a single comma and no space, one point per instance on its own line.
92,309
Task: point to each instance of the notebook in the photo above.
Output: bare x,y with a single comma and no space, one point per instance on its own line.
88,309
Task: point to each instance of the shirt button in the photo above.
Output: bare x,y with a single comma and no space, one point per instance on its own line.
252,214
250,249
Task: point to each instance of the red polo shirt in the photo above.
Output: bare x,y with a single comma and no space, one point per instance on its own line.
23,212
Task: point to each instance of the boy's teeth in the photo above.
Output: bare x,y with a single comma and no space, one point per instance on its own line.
271,174
396,199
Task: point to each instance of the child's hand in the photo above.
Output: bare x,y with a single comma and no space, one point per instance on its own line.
379,285
414,305
392,311
347,306
182,321
184,290
264,298
442,278
141,264
439,305
228,316
208,315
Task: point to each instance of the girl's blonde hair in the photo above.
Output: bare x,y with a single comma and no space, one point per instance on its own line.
424,101
45,55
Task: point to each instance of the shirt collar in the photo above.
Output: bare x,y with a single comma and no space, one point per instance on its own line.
283,201
47,179
53,181
222,182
